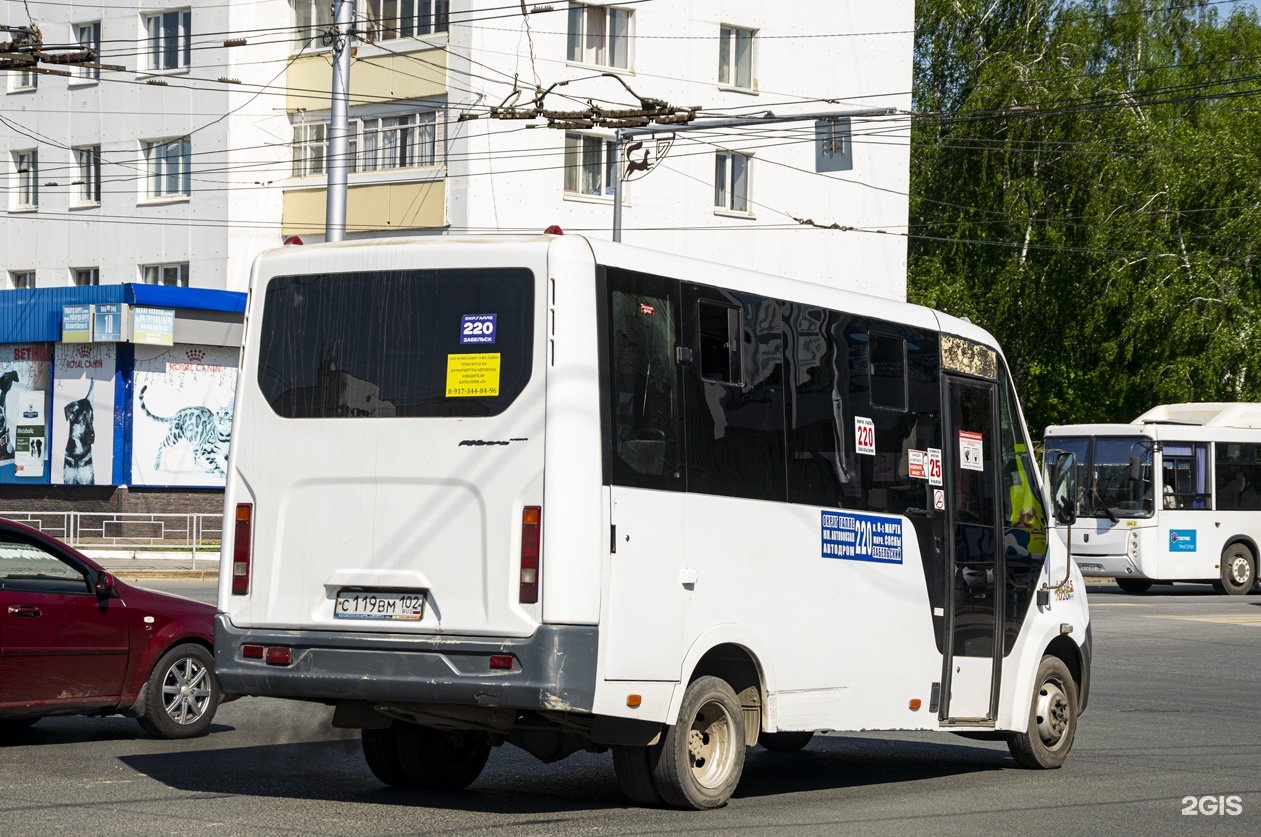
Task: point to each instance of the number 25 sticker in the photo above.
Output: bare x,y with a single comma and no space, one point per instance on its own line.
934,466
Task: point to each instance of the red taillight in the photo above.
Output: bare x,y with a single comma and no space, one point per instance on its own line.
241,549
252,652
531,526
501,661
279,655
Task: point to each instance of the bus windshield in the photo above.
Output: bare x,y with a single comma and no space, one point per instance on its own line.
1114,474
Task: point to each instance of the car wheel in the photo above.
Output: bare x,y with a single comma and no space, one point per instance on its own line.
436,759
1052,719
784,742
1134,585
1239,570
702,755
181,695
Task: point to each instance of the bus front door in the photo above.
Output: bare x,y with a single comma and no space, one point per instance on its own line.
975,582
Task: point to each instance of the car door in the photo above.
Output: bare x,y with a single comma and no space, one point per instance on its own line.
60,643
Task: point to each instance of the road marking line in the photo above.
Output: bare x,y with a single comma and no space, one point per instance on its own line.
1220,618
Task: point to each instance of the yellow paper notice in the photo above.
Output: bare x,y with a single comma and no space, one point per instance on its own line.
472,375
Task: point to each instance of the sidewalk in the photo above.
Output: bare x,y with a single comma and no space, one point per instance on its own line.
144,565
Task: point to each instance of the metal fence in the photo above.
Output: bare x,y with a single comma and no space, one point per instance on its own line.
187,533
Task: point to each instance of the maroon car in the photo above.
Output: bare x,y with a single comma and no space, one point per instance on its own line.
76,641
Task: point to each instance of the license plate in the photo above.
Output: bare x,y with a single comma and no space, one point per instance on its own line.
380,604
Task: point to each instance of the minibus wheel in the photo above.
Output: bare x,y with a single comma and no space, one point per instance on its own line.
380,751
633,766
1052,719
784,742
436,759
702,755
1239,570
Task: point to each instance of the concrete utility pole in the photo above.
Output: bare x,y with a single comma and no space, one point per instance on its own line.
339,124
620,135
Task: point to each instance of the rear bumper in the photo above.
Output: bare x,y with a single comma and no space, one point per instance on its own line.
553,669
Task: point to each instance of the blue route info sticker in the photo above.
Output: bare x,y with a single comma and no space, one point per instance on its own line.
860,537
478,329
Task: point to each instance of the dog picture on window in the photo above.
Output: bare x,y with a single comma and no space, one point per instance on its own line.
77,468
7,380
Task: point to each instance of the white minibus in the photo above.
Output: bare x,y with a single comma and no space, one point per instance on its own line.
573,495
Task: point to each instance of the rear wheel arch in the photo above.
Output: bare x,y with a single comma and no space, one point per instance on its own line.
742,671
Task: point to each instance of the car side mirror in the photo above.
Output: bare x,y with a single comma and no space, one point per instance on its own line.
1061,481
105,586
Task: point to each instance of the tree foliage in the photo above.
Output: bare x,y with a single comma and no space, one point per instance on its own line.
1086,184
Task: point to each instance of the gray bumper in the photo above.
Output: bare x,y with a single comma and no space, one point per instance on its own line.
554,668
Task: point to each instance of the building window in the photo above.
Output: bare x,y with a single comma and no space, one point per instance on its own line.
167,168
19,279
391,19
311,18
87,159
731,181
85,276
590,165
27,165
375,144
166,274
88,36
169,36
599,35
23,80
735,57
310,148
396,142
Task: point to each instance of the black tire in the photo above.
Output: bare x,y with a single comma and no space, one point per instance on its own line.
380,751
436,759
702,755
1052,719
13,727
633,766
784,742
181,695
1134,585
1239,570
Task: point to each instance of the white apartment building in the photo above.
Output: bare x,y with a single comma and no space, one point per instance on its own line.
196,174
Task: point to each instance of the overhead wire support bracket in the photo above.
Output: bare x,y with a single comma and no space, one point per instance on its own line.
621,134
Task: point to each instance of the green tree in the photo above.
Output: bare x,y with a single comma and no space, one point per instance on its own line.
1086,184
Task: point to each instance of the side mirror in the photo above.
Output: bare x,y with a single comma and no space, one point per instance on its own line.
1061,482
105,586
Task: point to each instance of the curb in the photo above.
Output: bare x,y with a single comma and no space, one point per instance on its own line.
164,575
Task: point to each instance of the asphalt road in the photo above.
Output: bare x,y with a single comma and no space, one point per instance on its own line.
1173,721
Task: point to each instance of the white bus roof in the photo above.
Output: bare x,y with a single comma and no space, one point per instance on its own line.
1198,421
1205,413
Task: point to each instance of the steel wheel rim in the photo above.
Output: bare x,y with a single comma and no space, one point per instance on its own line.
1052,713
186,691
1240,571
710,744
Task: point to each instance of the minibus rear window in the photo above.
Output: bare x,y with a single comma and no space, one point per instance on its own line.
396,343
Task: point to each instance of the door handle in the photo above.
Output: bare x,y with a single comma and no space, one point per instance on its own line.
25,611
